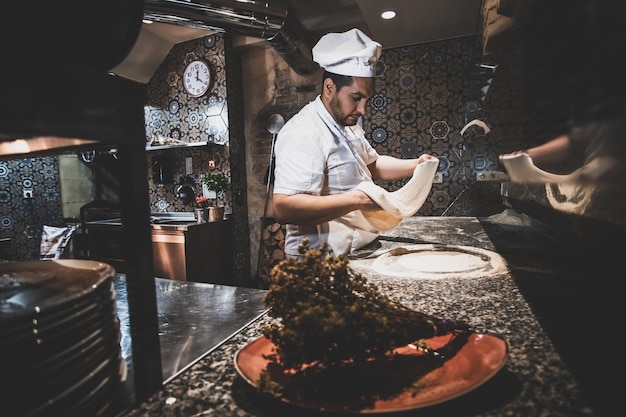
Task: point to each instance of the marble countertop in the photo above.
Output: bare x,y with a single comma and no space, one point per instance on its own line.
543,375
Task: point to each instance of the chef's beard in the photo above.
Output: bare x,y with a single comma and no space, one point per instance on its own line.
340,118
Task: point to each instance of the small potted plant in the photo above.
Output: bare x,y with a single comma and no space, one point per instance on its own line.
216,183
201,207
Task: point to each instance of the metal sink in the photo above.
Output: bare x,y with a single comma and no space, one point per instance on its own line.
178,220
158,220
172,217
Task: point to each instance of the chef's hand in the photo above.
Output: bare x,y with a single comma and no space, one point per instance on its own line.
365,203
424,157
504,155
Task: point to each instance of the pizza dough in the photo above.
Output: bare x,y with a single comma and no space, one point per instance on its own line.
402,203
571,193
521,168
439,261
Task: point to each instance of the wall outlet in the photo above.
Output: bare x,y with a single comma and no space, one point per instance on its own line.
27,193
493,176
438,179
211,164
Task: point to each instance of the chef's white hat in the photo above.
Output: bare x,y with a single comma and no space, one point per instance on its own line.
349,53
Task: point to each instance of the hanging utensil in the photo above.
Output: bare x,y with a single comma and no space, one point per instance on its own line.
274,124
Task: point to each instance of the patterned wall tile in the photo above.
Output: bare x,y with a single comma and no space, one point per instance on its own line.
425,97
22,219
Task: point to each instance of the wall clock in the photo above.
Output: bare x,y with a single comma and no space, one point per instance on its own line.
197,78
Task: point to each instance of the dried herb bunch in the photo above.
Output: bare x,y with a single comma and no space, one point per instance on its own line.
329,315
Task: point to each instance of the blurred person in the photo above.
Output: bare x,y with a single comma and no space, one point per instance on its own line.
592,153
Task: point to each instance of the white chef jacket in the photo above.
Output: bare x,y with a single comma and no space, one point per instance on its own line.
311,159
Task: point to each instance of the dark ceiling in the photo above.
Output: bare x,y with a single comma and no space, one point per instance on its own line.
417,21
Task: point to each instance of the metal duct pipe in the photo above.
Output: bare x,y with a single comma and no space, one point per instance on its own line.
269,20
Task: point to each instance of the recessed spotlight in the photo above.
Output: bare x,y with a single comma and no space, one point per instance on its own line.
388,14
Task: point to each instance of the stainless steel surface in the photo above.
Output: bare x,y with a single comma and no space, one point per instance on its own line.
149,147
194,319
260,19
268,20
493,176
275,123
172,218
172,215
168,220
157,224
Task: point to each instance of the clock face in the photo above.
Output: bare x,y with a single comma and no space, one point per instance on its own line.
197,78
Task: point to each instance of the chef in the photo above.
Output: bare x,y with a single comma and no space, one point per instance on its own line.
325,167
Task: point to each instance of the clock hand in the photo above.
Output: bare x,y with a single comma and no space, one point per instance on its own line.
198,75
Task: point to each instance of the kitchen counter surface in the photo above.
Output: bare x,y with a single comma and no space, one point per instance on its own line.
194,318
546,373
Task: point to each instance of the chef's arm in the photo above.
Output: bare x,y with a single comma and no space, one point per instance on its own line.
390,168
306,209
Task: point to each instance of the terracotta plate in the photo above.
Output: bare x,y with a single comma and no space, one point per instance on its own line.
411,380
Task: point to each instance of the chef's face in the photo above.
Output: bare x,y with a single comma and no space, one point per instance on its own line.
348,103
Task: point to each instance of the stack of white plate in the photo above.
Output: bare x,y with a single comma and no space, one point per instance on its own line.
59,339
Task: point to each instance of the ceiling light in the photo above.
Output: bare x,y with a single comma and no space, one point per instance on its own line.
388,14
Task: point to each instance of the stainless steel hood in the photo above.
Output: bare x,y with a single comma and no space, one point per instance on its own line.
270,20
